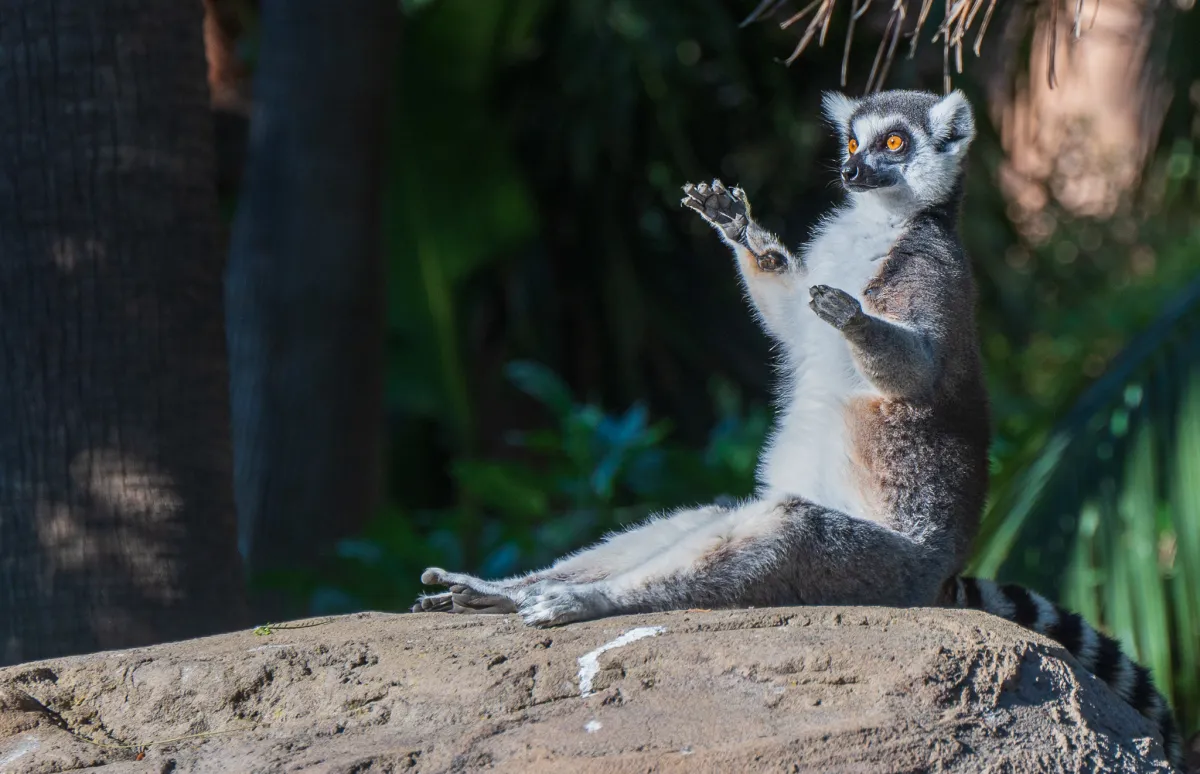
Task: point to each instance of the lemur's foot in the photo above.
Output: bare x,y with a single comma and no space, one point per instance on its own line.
464,600
728,211
467,594
723,209
561,603
836,307
433,603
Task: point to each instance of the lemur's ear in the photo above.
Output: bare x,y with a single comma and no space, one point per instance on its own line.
952,122
838,108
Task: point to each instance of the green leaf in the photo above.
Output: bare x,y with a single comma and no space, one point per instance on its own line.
512,489
540,382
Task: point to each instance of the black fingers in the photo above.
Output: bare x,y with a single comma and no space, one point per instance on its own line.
836,307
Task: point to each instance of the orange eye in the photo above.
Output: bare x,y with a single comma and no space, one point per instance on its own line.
852,146
895,142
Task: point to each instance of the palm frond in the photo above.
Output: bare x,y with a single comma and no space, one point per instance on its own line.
960,19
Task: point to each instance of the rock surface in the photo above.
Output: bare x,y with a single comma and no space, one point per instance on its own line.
795,689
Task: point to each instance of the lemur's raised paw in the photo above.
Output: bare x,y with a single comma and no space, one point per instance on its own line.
836,307
558,604
727,211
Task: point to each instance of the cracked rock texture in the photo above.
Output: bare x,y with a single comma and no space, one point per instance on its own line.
783,690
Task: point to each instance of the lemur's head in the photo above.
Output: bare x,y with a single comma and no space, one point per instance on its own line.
906,145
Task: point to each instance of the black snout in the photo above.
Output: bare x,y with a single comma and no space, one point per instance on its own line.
859,176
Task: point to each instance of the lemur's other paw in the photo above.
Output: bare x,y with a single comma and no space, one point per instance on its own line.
559,604
836,307
464,596
725,210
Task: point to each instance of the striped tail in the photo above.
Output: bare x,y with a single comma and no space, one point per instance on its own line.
1097,652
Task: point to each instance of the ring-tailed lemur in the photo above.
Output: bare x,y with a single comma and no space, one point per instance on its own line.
873,481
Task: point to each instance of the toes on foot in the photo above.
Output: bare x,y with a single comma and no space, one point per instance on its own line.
433,576
552,608
433,603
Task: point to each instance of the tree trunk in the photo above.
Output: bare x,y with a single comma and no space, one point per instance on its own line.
305,286
116,512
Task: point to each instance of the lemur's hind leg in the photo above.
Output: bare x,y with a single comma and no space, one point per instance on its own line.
767,268
616,553
786,552
621,551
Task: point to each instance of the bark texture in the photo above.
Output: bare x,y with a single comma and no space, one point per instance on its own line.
305,286
117,525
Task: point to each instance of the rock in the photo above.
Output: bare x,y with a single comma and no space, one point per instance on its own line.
789,689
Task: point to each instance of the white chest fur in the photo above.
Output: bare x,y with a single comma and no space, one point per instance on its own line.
808,454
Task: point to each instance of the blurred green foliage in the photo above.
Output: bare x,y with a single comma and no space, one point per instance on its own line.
588,472
1105,515
532,217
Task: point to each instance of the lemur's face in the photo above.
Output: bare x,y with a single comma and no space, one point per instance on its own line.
906,144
